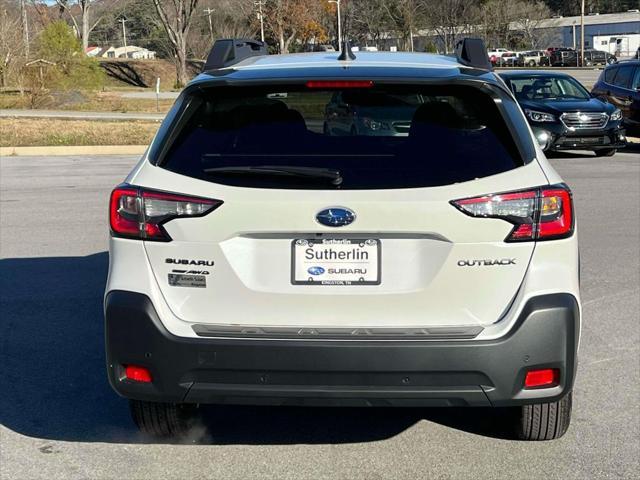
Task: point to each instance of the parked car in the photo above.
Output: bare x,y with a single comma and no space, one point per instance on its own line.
619,85
355,112
571,58
563,57
324,48
597,57
564,115
508,59
495,54
255,259
533,58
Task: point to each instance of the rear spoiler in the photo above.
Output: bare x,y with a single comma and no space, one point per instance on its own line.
472,53
230,51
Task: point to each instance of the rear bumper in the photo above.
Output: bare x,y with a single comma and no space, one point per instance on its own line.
334,372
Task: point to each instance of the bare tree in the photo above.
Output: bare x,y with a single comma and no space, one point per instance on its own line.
176,17
406,17
229,19
81,14
11,45
528,19
370,20
448,19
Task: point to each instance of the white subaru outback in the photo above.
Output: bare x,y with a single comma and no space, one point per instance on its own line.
319,229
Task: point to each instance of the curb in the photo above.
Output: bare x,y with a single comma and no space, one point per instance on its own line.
74,150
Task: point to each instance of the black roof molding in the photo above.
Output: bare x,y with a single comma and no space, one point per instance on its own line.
472,53
230,51
346,54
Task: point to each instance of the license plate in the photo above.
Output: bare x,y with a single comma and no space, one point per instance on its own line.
335,261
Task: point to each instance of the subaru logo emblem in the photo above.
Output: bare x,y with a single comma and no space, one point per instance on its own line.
315,270
335,217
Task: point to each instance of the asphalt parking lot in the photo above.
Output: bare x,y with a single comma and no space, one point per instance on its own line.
60,418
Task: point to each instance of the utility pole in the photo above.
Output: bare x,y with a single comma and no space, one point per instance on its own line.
124,35
209,11
337,2
25,29
259,4
582,35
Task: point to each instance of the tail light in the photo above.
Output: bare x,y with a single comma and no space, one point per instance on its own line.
140,213
544,213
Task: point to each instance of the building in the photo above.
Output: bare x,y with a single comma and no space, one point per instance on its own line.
130,51
621,32
615,33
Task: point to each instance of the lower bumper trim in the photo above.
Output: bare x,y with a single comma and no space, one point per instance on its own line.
338,372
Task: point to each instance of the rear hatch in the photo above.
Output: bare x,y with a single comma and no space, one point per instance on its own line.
353,231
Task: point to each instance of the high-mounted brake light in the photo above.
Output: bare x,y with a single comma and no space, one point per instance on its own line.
339,84
140,213
543,213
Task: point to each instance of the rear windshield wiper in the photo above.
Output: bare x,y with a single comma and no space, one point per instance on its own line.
311,173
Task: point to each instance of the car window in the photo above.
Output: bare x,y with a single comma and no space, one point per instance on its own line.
547,88
390,136
624,76
610,74
635,85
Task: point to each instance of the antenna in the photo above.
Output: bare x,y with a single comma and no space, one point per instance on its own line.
346,54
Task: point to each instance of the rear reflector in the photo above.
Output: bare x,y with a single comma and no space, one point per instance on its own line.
339,84
548,377
537,214
140,213
137,374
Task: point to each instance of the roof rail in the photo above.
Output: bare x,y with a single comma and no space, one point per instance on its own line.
230,51
472,53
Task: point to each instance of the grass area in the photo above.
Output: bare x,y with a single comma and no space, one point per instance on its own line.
108,101
33,132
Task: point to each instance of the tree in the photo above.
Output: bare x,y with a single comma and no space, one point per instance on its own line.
11,45
406,17
448,19
60,46
176,17
287,19
370,20
528,18
229,19
84,10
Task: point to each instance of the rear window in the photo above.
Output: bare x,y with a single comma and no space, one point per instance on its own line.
352,138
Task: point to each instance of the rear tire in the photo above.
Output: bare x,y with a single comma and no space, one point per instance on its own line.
163,420
610,152
545,421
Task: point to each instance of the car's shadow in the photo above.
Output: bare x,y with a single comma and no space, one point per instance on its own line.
54,383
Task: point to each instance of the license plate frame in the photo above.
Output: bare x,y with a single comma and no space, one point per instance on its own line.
362,244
